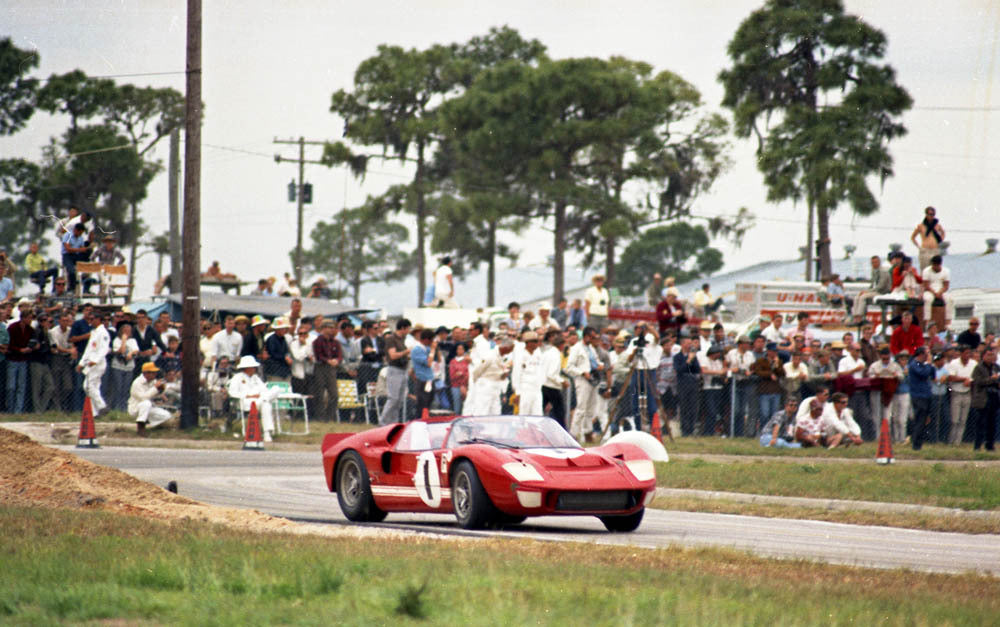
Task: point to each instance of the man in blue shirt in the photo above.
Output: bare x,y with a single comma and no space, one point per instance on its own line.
74,246
921,374
421,357
6,286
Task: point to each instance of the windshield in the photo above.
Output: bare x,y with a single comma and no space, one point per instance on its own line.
510,432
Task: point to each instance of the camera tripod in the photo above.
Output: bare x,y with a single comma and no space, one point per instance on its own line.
642,387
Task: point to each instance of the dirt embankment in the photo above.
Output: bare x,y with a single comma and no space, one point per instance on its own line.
34,475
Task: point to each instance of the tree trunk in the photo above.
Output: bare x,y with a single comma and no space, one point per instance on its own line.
809,241
609,260
491,266
559,251
132,255
823,237
418,183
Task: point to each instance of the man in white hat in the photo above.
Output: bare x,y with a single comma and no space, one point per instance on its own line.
253,342
249,388
94,362
528,375
543,321
278,365
144,390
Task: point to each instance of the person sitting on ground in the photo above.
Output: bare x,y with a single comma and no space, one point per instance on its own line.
144,390
779,431
250,389
815,422
851,430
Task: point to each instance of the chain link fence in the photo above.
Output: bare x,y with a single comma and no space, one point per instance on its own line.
734,406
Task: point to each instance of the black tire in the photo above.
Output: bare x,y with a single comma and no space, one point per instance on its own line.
510,520
623,524
473,507
354,490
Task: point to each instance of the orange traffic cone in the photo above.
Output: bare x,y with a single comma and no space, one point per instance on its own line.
253,441
425,414
656,429
88,434
884,445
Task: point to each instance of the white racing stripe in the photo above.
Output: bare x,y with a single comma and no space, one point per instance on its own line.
404,491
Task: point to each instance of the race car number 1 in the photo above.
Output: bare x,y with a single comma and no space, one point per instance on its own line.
427,479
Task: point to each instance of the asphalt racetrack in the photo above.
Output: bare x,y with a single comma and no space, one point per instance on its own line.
291,485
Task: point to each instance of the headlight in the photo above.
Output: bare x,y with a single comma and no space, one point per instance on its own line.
521,471
641,469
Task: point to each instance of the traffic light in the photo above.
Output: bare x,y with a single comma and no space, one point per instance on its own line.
307,193
291,192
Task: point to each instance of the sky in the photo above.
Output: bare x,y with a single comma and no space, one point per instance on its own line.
269,70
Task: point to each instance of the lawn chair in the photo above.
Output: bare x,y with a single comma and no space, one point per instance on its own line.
347,397
371,403
286,403
88,268
114,282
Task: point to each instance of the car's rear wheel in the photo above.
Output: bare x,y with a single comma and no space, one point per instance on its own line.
354,490
472,505
623,524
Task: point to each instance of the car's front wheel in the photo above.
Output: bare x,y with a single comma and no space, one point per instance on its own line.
354,490
623,524
472,505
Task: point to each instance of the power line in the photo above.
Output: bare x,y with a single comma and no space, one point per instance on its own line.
947,108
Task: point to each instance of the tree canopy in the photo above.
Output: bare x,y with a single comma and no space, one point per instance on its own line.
808,81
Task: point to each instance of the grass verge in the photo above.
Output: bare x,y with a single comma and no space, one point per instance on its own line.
64,566
747,447
963,486
904,520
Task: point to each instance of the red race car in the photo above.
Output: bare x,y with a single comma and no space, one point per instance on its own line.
487,470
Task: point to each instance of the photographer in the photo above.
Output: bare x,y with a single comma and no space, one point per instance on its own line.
144,390
644,354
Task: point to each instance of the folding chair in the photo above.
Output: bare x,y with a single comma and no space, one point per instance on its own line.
371,403
347,397
287,402
114,278
87,267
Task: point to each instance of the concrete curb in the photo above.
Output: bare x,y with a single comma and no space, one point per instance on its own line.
828,504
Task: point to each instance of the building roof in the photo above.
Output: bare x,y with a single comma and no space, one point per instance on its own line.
967,270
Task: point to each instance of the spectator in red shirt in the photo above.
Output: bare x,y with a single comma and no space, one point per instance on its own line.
907,336
670,313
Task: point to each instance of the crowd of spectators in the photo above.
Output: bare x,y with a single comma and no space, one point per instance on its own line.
575,362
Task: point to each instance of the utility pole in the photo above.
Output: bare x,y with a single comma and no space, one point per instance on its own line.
173,204
300,195
191,305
